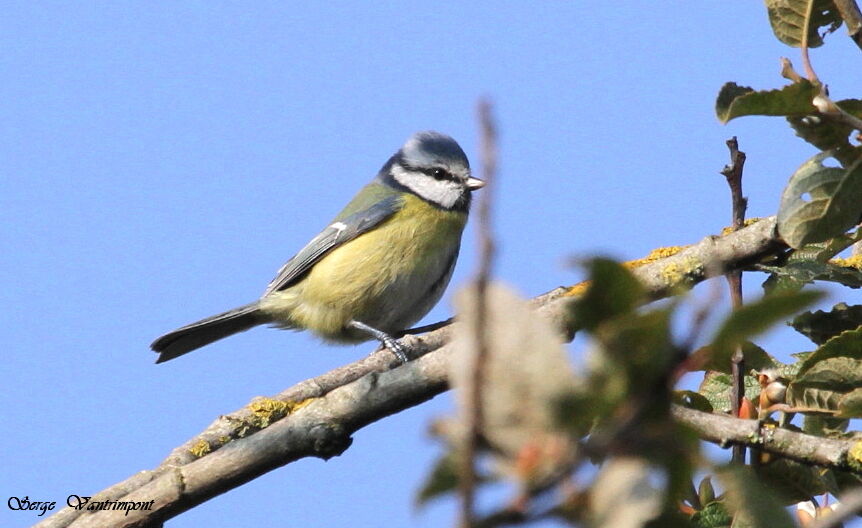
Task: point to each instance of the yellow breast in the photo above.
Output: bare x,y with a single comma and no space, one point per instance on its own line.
380,278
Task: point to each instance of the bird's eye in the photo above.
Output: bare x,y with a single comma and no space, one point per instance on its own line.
439,174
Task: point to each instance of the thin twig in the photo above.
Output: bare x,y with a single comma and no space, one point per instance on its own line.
733,174
829,109
486,255
803,46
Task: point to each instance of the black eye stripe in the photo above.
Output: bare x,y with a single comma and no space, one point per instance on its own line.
438,173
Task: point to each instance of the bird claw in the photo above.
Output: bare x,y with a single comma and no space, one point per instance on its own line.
400,350
397,348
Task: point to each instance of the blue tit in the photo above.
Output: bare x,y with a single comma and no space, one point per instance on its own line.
377,269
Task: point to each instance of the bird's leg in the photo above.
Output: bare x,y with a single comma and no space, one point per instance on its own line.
387,340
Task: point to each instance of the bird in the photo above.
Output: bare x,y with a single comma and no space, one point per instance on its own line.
375,270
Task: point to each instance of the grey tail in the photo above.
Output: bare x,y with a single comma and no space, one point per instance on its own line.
193,336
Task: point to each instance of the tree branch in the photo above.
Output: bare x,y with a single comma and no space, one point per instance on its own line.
726,430
320,428
317,417
739,203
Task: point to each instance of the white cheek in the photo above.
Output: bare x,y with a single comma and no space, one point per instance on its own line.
442,192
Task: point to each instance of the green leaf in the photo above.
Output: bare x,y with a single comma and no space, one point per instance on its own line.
577,411
669,518
792,100
753,504
794,482
629,361
705,490
811,262
716,388
851,106
639,343
846,480
850,405
692,400
825,133
443,479
827,378
832,373
794,367
613,291
822,425
794,275
713,515
821,326
787,18
820,202
847,344
823,387
756,317
823,251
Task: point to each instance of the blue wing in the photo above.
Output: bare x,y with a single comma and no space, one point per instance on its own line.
339,232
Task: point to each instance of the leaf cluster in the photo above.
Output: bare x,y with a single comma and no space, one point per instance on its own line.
545,421
823,198
596,444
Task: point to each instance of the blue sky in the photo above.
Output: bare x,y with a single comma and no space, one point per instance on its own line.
160,163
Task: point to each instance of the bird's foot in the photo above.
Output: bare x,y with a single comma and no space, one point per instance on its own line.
399,349
396,348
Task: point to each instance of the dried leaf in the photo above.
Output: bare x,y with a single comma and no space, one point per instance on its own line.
622,496
526,373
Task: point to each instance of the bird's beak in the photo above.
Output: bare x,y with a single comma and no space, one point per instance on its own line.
475,183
